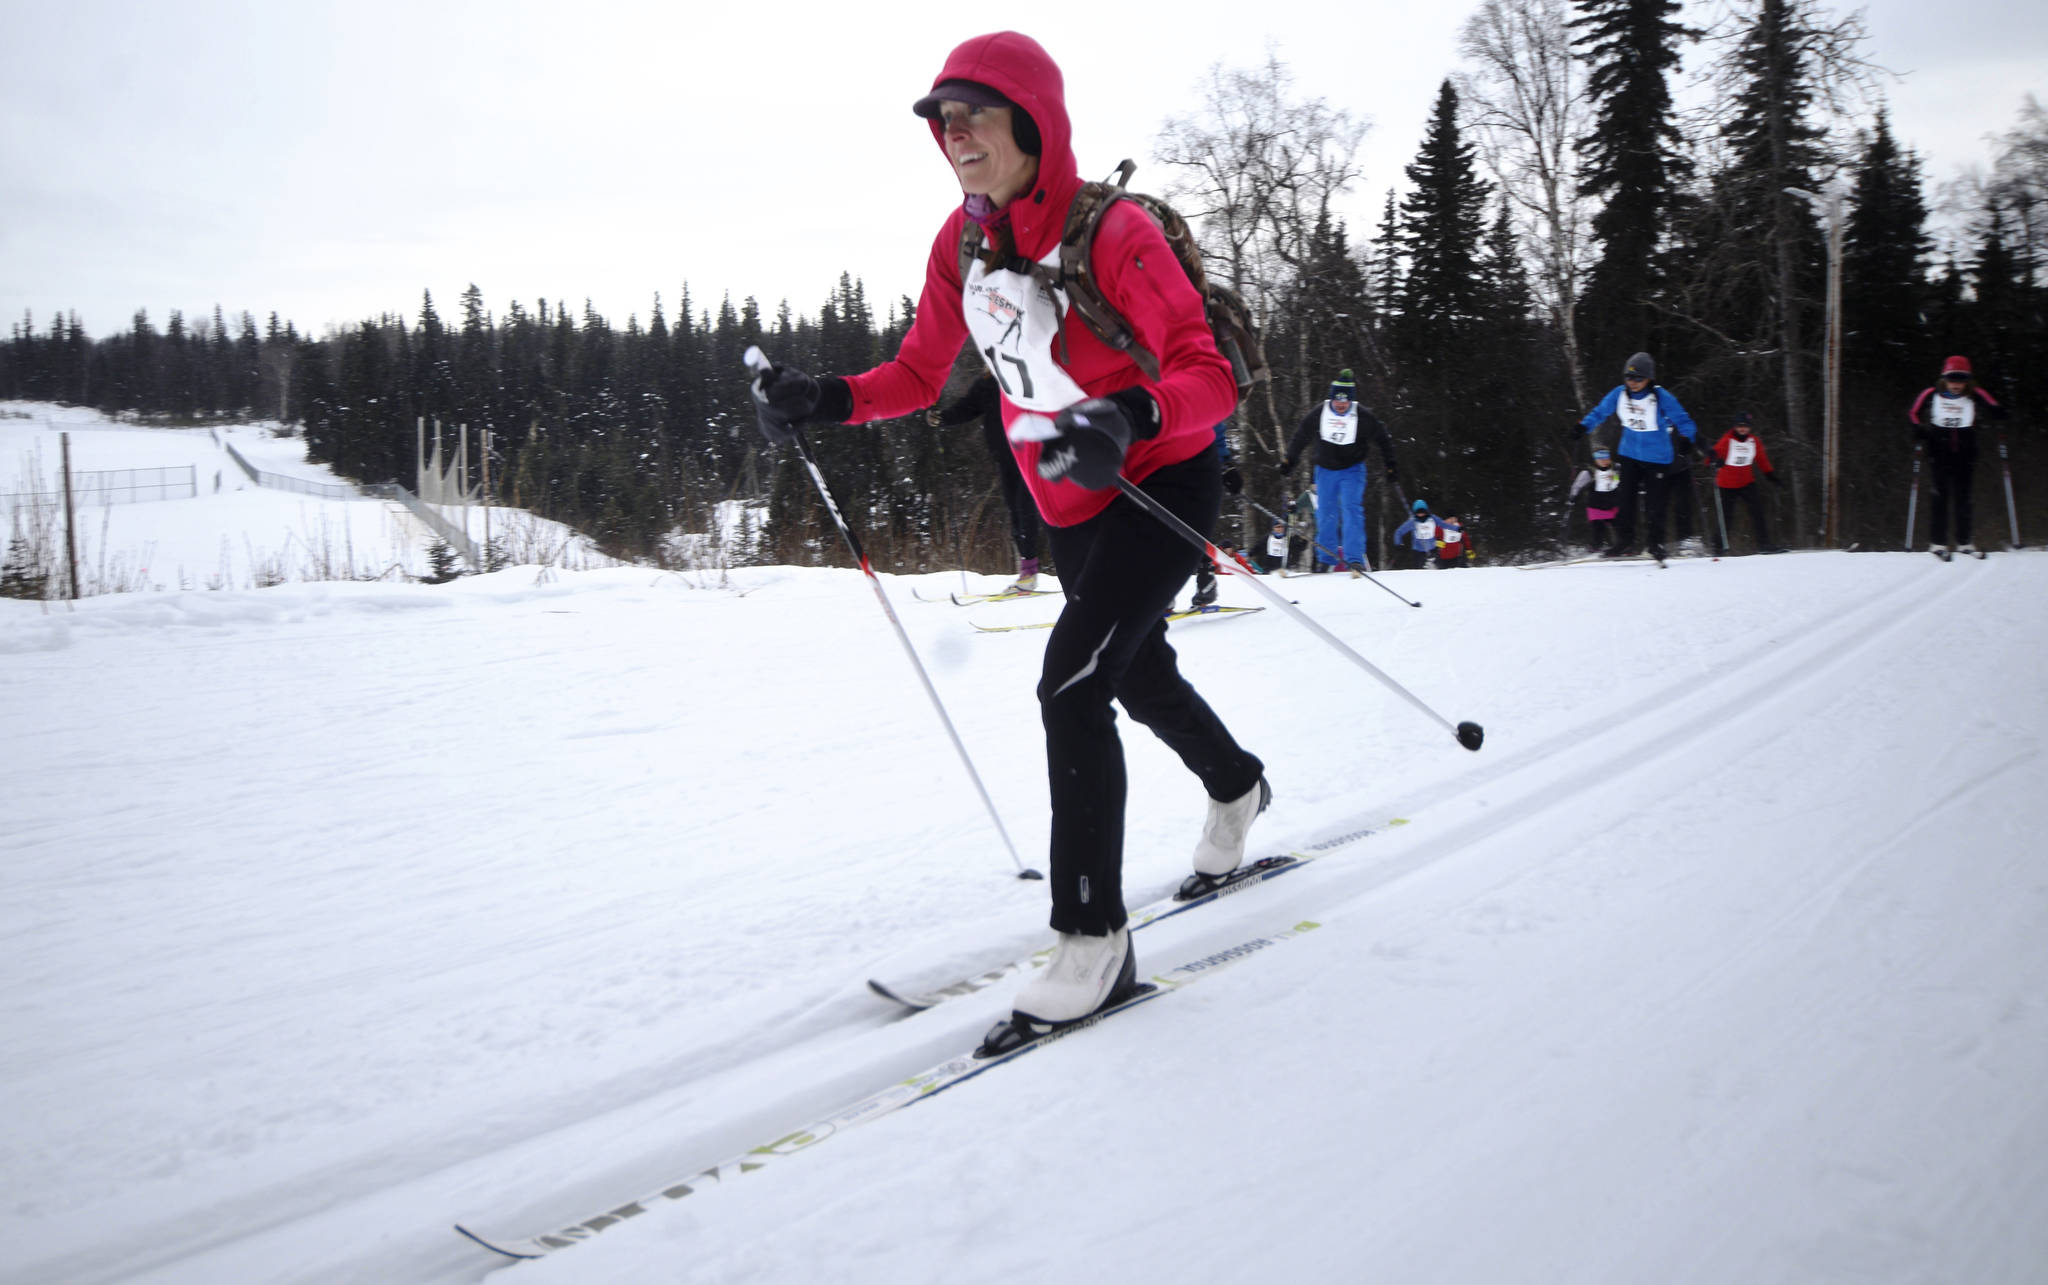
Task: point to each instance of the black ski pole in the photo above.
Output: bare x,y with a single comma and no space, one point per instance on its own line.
2012,513
1913,496
1367,575
1470,735
758,361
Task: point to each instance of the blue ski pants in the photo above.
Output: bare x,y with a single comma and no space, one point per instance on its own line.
1340,514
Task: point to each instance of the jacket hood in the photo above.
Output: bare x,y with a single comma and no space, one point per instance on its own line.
1018,68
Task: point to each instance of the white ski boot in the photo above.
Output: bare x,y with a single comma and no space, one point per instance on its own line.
1969,550
1941,551
1221,847
1085,974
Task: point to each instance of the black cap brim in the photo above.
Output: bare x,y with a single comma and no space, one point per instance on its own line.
958,91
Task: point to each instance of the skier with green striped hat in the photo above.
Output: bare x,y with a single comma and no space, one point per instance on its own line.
1341,430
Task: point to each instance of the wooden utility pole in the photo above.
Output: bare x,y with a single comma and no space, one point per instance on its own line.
487,502
70,523
1828,206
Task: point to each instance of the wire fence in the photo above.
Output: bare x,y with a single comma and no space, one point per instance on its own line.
114,486
279,482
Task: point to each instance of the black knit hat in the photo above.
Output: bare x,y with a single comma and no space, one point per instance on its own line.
1022,127
1640,366
1342,388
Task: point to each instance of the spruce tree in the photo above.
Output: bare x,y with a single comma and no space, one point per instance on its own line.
1634,161
1884,274
1442,220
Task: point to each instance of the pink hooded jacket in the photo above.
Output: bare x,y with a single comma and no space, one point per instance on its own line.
1133,267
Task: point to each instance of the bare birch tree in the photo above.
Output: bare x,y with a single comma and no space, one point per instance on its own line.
1526,108
1254,169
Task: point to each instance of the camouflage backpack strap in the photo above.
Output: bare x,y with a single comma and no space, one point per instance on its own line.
1077,273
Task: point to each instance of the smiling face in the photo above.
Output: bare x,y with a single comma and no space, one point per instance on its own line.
984,152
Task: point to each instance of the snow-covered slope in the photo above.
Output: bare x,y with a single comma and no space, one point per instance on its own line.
339,913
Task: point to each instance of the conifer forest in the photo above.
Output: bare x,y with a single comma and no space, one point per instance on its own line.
1568,204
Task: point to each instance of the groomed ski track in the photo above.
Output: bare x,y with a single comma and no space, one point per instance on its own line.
1455,822
1531,844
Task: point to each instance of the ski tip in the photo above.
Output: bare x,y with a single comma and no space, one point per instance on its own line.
494,1248
894,996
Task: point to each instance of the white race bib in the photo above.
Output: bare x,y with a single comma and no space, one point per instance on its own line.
1638,414
1015,322
1340,430
1954,412
1276,546
1606,479
1741,452
1425,529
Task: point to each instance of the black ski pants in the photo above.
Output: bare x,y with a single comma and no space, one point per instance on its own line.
1952,469
1017,499
1121,570
1679,499
1728,496
1655,488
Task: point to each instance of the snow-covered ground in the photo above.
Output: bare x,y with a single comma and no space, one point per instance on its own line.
336,914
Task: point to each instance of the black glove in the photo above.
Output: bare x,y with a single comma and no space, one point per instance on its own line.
1775,479
1287,467
1233,481
786,399
1093,436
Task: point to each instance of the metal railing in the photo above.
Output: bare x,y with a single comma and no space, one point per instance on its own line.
426,513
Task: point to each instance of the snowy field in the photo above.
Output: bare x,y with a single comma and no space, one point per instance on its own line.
336,914
232,533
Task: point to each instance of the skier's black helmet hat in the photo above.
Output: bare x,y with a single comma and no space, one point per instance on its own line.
1022,127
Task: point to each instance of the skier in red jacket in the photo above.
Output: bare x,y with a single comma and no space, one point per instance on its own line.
998,114
1742,457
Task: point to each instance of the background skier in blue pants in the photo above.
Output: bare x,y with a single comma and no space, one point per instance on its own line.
1341,429
1648,416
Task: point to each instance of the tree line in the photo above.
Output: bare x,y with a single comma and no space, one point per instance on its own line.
1563,210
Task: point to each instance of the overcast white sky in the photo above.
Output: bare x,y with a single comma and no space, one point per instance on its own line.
330,161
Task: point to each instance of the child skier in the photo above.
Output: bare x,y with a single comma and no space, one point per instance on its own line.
1603,501
1418,534
1741,456
1452,548
1276,556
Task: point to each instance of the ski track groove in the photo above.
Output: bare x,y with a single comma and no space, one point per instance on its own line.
1334,888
